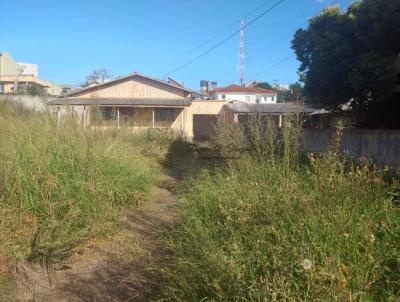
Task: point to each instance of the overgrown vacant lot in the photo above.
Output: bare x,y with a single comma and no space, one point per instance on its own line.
270,227
61,187
261,223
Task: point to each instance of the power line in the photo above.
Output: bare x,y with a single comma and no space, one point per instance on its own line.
268,47
224,40
215,35
271,67
273,44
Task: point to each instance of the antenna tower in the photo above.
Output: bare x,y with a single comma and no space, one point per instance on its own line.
241,62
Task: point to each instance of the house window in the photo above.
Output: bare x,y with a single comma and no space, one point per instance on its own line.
247,98
108,113
223,96
165,114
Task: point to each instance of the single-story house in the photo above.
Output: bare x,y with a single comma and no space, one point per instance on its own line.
135,101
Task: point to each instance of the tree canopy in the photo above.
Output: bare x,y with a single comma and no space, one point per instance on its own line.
36,90
352,57
284,95
97,76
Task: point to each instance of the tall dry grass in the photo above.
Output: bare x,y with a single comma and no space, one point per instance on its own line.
273,225
61,186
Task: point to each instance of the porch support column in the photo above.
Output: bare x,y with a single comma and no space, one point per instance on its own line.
58,116
84,117
183,119
280,120
235,117
153,114
118,117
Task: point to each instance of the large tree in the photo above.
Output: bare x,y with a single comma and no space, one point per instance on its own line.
97,76
352,57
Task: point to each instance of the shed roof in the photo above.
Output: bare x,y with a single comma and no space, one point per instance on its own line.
120,102
268,108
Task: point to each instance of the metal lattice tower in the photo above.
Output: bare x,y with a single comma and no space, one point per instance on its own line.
241,61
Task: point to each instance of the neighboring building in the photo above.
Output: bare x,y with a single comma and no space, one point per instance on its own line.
207,86
16,77
241,112
67,89
134,101
29,69
251,95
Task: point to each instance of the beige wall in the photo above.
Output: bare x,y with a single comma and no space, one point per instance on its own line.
8,66
207,107
134,87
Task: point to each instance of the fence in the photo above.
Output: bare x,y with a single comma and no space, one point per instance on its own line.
380,146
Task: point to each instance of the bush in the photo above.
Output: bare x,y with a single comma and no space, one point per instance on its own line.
269,228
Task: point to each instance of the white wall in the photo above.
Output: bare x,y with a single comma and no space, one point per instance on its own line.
247,98
29,69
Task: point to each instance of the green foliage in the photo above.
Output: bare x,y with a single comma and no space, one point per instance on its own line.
272,227
264,85
353,55
61,186
293,94
36,90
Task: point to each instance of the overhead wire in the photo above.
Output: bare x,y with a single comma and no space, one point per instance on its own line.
223,41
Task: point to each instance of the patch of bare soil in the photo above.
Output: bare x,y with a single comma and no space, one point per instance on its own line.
105,273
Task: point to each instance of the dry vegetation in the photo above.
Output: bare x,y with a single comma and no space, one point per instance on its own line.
262,223
273,225
62,188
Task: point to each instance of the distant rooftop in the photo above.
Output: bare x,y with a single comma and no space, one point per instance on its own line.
268,108
242,89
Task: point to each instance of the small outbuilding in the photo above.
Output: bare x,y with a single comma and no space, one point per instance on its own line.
238,112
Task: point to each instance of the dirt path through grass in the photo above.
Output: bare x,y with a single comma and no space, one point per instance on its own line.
99,275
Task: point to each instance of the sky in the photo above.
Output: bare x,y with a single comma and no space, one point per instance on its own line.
69,39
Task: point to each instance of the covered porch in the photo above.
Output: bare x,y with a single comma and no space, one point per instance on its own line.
134,114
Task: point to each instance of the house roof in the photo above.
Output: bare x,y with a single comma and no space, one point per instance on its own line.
131,75
268,108
242,89
69,101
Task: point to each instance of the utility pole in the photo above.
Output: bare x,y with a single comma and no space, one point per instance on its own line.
242,61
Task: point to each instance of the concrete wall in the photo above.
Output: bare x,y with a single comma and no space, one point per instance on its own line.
207,107
380,146
33,102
